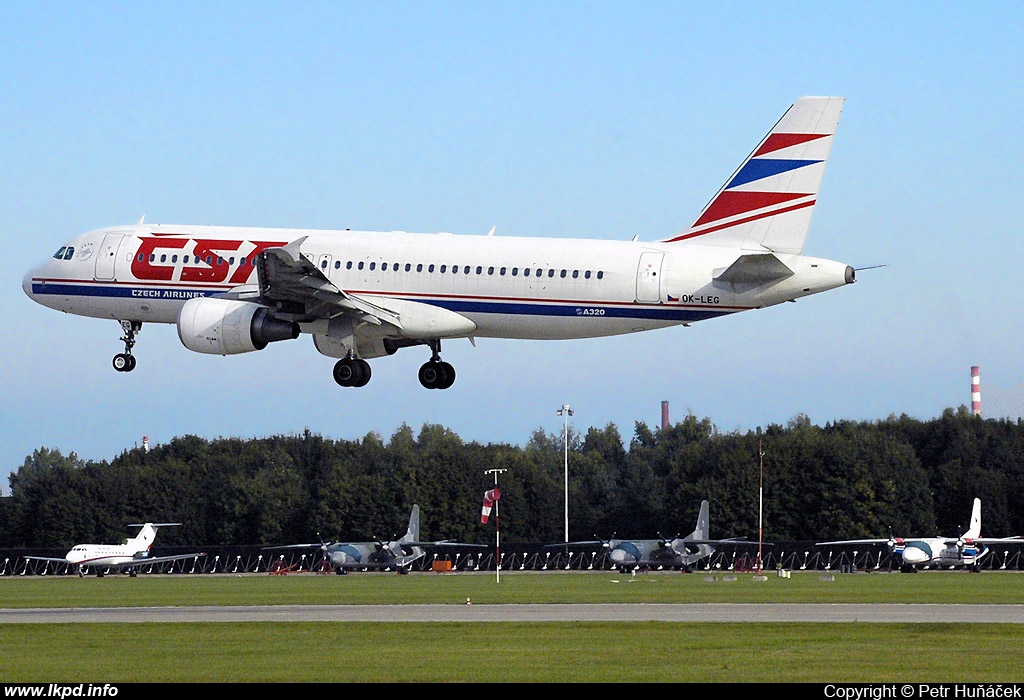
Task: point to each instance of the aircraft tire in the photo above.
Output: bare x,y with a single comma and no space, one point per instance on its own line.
351,372
123,362
449,376
364,373
430,374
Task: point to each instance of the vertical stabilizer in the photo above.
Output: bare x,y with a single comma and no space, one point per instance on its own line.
413,533
701,531
975,529
766,205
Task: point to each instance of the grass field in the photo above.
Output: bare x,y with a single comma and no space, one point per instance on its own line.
511,652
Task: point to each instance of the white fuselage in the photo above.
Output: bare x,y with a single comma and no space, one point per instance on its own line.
537,288
104,554
936,551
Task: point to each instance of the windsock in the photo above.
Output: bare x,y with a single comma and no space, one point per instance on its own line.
489,498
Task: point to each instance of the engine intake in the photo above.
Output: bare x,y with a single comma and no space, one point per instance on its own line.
229,327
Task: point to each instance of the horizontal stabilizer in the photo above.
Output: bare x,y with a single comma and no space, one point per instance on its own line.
756,268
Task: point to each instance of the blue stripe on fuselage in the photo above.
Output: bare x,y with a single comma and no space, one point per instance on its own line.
671,312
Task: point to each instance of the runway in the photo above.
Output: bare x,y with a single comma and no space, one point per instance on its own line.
703,612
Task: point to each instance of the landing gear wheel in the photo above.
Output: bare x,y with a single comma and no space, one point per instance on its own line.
123,362
449,375
432,375
352,372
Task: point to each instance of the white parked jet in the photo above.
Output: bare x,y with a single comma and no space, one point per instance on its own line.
363,295
966,550
128,556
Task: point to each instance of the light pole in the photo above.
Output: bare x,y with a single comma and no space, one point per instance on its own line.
566,411
760,503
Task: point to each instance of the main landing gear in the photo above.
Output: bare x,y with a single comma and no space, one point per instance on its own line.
435,373
352,371
125,361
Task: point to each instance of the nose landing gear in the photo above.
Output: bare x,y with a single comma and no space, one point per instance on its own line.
125,361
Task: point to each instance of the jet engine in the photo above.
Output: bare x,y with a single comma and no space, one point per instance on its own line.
228,327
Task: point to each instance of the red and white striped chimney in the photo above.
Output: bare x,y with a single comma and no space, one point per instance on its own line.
976,390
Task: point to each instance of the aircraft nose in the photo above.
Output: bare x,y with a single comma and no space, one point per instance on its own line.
26,284
914,555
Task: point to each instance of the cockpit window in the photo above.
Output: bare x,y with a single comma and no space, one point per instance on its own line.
66,252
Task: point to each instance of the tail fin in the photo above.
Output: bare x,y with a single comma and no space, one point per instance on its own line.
413,533
701,531
144,540
767,203
975,530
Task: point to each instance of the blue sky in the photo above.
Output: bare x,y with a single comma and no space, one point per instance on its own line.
578,119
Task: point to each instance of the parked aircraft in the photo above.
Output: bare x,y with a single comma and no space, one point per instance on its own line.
363,295
678,553
966,550
395,555
131,555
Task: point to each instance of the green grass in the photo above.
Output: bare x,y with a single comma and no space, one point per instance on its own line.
512,652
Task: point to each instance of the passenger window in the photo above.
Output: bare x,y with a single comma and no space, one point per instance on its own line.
174,258
539,272
373,266
562,274
348,265
551,272
490,271
515,271
575,274
431,268
587,274
466,269
419,267
600,274
501,272
242,261
323,264
337,264
408,267
443,268
360,264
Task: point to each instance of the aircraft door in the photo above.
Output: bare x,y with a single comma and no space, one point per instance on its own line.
648,278
107,257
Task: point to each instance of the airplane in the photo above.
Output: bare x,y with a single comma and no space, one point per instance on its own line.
398,555
966,550
677,553
131,555
364,295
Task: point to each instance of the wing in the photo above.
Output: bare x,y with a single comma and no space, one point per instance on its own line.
146,561
989,540
56,560
292,283
299,291
875,541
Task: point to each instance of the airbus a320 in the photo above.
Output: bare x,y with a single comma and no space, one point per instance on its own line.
364,295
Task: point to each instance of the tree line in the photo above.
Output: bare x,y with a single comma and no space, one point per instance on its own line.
843,480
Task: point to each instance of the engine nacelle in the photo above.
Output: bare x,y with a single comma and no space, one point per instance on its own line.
229,327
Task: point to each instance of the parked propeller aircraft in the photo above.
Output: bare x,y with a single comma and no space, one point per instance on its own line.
395,555
131,555
966,550
363,295
680,553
